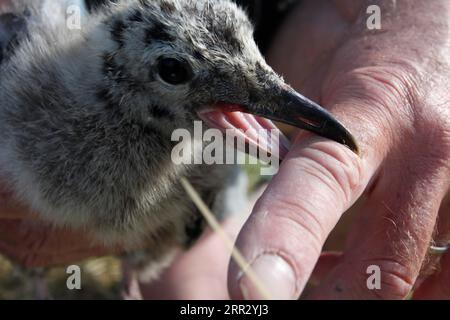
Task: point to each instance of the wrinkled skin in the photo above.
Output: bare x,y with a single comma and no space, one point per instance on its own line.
390,88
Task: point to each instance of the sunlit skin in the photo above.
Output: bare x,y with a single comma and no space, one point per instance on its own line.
390,88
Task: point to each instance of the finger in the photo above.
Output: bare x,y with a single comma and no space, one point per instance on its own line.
35,244
437,286
441,238
282,239
393,233
443,230
199,273
10,208
189,277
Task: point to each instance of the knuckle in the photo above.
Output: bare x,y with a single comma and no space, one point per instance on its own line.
393,89
426,148
396,279
438,151
397,85
339,170
328,166
384,95
439,137
397,108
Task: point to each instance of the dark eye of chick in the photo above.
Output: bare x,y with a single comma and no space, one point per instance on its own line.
174,71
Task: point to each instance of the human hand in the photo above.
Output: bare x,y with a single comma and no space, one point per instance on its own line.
32,242
199,273
389,87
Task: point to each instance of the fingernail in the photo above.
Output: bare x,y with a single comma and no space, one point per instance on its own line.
275,274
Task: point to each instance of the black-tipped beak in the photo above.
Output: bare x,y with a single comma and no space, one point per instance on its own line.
296,110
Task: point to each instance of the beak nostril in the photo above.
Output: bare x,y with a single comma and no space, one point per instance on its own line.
309,122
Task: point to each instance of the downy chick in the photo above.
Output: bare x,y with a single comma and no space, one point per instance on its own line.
87,115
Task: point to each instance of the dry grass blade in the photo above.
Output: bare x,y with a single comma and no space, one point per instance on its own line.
235,254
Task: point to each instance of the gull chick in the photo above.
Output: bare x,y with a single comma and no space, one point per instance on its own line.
87,114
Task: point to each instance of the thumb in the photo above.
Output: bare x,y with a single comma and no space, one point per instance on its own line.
283,237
